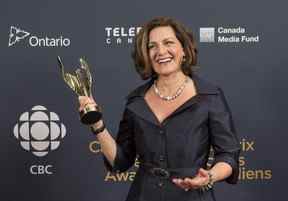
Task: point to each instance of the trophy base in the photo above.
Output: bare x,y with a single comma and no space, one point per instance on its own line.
90,115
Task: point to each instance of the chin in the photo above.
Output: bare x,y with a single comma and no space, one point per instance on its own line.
166,71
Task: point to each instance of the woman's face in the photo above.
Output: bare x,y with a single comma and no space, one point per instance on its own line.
165,50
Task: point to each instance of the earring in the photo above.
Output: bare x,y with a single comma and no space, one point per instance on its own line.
183,59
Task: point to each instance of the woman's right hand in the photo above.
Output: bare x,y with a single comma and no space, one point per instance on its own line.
108,144
84,101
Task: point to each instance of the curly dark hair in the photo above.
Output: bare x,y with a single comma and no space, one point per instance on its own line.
140,53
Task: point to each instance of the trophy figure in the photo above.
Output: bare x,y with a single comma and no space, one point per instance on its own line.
81,83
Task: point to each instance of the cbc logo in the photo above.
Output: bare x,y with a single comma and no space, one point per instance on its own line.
39,131
41,169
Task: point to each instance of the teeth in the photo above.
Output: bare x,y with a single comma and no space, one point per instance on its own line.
164,60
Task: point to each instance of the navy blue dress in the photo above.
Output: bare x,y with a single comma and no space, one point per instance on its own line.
180,144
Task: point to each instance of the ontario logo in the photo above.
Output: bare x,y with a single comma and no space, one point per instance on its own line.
39,131
16,35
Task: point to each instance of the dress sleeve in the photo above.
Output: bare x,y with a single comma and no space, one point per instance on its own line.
125,151
223,135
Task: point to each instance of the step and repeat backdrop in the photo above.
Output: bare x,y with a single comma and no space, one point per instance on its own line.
48,155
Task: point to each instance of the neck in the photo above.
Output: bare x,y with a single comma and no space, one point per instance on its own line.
168,84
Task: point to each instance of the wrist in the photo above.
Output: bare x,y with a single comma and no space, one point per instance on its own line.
211,175
98,127
210,183
211,178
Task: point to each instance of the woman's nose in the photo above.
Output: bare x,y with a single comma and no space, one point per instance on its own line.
161,50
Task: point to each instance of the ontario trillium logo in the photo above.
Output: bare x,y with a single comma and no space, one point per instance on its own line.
15,35
39,131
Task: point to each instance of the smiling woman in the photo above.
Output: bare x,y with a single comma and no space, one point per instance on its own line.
175,33
166,53
170,122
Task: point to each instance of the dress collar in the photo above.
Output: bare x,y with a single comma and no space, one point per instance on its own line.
202,87
137,104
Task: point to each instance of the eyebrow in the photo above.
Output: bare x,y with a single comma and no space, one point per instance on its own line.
162,40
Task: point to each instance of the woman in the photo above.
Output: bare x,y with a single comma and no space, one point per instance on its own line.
171,122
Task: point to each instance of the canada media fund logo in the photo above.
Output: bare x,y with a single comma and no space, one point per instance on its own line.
223,34
39,132
16,35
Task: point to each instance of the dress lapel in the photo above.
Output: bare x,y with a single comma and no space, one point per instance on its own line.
137,104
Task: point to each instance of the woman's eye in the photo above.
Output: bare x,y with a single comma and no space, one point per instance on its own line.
169,42
150,46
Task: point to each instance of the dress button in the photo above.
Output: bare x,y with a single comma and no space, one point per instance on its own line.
161,158
161,131
160,184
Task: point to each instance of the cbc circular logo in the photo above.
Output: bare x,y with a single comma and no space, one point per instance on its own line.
39,131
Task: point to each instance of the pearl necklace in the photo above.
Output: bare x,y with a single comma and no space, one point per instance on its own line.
170,98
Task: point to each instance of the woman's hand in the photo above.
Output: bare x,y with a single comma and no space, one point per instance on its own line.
200,180
108,144
84,101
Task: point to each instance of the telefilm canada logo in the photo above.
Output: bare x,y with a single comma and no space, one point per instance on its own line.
120,35
223,34
39,131
16,35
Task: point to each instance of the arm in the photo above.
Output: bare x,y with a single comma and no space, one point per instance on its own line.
224,139
225,144
219,172
119,155
107,143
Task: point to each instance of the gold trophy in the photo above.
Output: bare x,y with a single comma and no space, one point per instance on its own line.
81,83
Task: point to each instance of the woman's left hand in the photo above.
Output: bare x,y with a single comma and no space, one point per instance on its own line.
200,180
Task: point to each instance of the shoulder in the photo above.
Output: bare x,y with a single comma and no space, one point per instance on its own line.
139,91
205,86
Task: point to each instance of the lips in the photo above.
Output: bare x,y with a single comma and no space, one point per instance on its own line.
164,60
